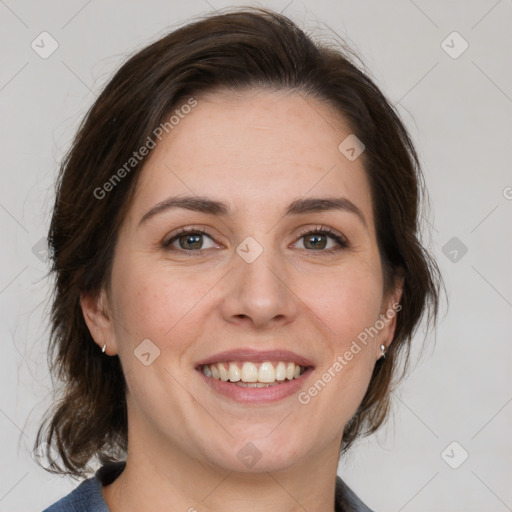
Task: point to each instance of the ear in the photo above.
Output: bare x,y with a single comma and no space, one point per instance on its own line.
389,312
99,320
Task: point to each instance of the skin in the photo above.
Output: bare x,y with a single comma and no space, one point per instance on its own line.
257,151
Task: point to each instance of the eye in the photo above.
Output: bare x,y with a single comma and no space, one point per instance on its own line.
188,240
321,239
317,240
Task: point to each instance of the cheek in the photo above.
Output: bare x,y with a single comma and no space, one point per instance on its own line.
346,301
154,303
348,305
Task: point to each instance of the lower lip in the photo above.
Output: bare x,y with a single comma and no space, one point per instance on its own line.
257,395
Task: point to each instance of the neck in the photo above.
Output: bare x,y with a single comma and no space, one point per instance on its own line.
171,480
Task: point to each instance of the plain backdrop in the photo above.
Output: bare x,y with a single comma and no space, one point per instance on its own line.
446,447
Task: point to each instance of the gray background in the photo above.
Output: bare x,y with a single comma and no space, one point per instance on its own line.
459,113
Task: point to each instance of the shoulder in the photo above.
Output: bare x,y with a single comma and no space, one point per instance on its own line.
346,499
88,497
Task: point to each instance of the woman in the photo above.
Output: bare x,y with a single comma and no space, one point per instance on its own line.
235,245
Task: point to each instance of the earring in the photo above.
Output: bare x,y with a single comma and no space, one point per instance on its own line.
104,348
383,351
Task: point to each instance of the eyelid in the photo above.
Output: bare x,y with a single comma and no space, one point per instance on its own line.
339,238
321,228
184,231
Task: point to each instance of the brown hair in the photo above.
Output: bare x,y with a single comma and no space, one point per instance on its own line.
240,49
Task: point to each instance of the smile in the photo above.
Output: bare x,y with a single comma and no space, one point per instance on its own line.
255,377
253,374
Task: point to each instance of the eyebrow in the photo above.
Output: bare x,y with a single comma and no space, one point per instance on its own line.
210,206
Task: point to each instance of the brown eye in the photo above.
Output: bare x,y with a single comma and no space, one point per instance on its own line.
319,240
315,241
188,240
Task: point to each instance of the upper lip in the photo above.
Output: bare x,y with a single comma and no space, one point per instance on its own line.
256,356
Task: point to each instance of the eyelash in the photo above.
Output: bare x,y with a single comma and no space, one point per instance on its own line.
323,230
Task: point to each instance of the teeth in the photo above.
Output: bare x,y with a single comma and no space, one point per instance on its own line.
280,371
266,373
255,384
249,375
234,372
290,371
249,372
223,372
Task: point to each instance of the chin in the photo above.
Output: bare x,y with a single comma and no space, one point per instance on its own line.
257,456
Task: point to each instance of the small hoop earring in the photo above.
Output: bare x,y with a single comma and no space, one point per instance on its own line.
383,351
104,348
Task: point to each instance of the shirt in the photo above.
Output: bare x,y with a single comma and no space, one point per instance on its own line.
87,496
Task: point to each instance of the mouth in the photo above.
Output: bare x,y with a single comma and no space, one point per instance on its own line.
252,376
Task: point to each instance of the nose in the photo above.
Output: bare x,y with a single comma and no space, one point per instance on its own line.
260,293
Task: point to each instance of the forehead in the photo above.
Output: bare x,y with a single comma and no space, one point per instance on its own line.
254,150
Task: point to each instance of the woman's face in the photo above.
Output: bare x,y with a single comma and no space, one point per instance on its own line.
249,284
